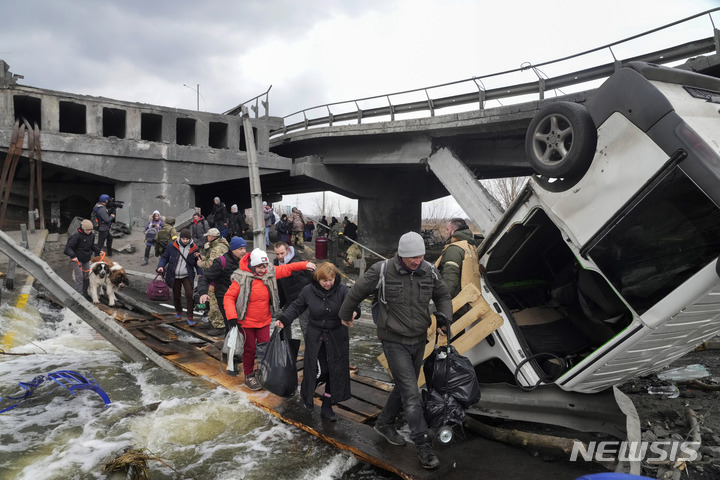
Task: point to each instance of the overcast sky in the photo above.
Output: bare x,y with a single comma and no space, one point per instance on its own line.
311,52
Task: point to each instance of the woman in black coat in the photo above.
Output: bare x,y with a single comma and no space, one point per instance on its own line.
327,342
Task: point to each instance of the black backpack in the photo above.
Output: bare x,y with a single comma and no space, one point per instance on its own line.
94,219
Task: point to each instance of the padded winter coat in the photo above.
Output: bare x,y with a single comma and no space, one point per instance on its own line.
258,313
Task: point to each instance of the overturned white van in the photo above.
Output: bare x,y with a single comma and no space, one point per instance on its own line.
606,266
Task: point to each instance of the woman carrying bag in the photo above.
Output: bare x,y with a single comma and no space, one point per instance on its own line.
327,342
251,300
179,264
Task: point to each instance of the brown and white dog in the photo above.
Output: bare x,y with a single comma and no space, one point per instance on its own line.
108,275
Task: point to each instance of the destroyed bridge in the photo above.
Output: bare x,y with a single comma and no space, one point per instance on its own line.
391,156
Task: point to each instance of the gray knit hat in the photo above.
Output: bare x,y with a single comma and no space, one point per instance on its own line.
411,245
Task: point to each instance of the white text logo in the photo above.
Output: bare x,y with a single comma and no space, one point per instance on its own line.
650,452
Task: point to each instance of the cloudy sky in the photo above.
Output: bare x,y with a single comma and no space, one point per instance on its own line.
311,52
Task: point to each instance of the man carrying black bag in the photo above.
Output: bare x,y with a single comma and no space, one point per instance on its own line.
406,284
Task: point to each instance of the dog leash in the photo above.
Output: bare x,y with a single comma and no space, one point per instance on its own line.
102,260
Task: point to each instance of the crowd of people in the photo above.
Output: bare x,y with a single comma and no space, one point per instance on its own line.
249,291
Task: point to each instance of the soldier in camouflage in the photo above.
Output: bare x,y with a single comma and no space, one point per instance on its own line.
215,247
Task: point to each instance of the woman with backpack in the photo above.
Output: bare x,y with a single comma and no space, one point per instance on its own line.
284,229
179,264
152,228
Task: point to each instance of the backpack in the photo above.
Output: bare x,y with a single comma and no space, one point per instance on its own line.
94,219
151,233
274,219
162,239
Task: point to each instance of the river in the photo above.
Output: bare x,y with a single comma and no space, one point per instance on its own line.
197,432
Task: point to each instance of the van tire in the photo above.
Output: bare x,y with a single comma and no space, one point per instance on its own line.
561,140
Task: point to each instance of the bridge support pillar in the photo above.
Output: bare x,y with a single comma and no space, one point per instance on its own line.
382,221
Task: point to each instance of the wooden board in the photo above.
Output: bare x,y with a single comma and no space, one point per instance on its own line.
475,325
352,431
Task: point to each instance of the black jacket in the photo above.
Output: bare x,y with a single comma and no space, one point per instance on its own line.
82,245
237,226
220,215
324,322
291,286
221,276
405,317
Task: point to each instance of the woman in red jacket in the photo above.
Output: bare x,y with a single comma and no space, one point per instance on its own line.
251,299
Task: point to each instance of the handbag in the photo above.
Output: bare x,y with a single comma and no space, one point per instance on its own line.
277,370
234,346
158,289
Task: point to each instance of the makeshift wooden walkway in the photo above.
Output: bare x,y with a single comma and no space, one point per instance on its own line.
462,459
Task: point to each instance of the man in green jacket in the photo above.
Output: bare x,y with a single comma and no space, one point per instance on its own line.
403,287
215,247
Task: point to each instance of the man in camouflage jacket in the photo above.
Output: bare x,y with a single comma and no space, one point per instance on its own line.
215,247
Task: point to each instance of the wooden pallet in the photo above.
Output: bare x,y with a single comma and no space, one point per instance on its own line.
469,330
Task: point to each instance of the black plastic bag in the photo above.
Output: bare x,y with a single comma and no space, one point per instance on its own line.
277,369
442,409
449,372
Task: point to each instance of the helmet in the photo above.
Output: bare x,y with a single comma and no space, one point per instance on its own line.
104,197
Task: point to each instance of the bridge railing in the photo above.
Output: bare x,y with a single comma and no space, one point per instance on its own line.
323,115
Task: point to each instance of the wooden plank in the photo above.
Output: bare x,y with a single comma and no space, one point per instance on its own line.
118,314
477,333
470,294
355,377
368,394
365,409
160,333
160,347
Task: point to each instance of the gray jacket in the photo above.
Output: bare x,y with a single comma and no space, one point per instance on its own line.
405,317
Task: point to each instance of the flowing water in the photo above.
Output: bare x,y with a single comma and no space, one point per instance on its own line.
195,431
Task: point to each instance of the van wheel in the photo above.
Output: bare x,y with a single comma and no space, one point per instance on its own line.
561,140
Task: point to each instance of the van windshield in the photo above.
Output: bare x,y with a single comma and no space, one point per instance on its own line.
667,237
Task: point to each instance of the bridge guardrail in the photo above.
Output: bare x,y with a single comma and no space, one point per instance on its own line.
481,95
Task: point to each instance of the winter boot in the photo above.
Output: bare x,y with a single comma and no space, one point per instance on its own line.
145,261
326,410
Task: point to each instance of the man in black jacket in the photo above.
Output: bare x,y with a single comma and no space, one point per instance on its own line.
404,286
290,287
80,248
220,217
220,272
103,221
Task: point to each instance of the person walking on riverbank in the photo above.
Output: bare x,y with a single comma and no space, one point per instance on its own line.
155,223
298,228
198,228
327,342
179,264
269,217
80,247
402,316
215,247
251,301
291,286
219,275
103,220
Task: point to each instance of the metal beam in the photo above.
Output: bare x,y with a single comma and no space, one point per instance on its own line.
103,324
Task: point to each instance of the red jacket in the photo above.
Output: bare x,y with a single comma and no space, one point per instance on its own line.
258,309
